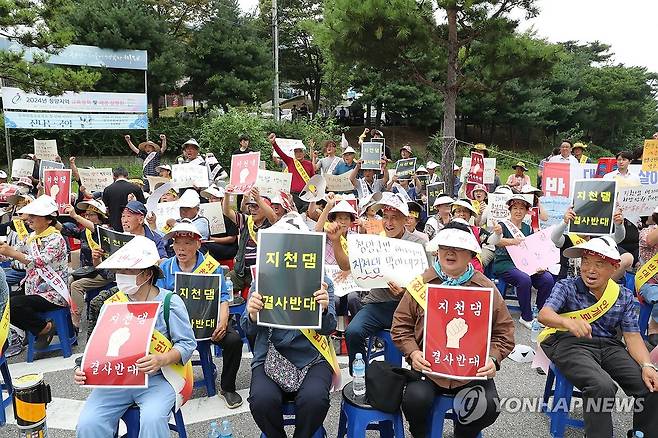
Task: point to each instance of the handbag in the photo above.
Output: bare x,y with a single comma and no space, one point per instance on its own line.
385,384
283,372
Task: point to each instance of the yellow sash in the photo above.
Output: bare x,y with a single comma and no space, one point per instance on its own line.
301,170
591,313
576,239
326,348
19,225
45,233
583,159
4,325
90,240
647,271
250,227
418,290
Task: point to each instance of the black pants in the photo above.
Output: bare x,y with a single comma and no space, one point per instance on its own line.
23,312
418,399
593,366
231,345
311,402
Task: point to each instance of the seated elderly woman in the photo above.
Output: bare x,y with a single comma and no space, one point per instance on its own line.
137,271
456,248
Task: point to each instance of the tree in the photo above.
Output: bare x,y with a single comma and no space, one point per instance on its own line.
39,24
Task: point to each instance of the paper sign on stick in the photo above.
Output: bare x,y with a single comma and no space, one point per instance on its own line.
489,169
244,172
288,145
45,149
498,207
57,185
338,183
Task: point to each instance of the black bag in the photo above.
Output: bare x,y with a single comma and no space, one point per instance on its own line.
385,385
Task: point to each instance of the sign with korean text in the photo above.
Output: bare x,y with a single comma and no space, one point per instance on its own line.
57,185
343,281
406,168
95,180
270,183
45,149
6,191
371,155
122,336
111,240
21,167
37,120
201,294
556,179
213,212
433,192
555,207
650,155
457,333
498,207
376,260
489,169
536,253
288,145
637,201
85,102
339,183
164,211
188,175
289,269
46,164
475,173
594,204
244,172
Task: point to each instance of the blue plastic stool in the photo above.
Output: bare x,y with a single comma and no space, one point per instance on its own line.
65,332
5,386
391,354
358,416
288,410
207,367
131,419
502,288
643,320
629,278
558,414
442,410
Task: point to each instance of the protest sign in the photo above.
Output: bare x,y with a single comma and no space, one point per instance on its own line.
154,181
213,212
376,260
405,169
244,172
594,205
556,179
637,201
497,207
201,294
6,191
49,120
188,175
555,207
95,180
22,167
270,183
83,102
45,149
289,269
457,330
164,211
111,240
371,155
57,185
433,192
605,165
475,173
45,164
489,169
339,183
536,252
288,145
650,155
122,335
343,281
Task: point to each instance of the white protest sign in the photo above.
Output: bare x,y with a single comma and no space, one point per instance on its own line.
343,280
188,175
95,180
339,183
376,260
637,201
497,207
213,212
269,182
21,167
45,149
288,145
489,169
164,211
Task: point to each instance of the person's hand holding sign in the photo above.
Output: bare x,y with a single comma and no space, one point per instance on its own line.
322,297
254,305
418,361
395,289
569,215
151,363
618,217
488,371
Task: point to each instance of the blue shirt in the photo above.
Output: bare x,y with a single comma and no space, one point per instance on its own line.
571,294
342,167
170,267
157,239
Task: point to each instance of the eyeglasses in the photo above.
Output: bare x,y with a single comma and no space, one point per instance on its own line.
450,248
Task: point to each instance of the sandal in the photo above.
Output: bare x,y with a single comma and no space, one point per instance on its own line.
43,341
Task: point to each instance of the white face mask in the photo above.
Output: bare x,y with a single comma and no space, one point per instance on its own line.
128,283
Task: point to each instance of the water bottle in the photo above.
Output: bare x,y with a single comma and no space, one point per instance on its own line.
638,434
359,376
228,284
214,430
226,431
536,327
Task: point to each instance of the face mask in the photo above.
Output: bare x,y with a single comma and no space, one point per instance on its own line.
128,283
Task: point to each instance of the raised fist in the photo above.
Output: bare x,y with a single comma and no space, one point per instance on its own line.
455,330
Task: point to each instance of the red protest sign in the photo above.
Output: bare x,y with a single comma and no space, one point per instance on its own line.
6,191
244,172
57,185
534,219
457,330
556,179
475,173
121,336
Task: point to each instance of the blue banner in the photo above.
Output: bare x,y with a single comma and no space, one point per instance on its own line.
36,120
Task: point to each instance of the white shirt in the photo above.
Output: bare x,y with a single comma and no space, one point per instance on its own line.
560,159
628,180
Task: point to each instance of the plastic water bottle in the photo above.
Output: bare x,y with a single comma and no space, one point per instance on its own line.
638,434
359,376
536,327
228,284
226,431
214,430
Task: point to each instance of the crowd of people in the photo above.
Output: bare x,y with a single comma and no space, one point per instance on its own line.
588,315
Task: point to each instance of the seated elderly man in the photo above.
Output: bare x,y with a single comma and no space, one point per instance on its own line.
582,315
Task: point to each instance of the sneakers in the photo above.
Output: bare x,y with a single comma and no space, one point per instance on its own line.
232,399
524,323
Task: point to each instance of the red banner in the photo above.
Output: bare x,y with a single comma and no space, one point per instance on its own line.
556,179
122,336
457,330
475,173
244,172
605,165
57,185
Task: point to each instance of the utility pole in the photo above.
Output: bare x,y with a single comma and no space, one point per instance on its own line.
275,30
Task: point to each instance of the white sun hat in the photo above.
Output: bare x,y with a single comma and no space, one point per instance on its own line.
191,142
349,150
139,253
217,192
432,165
163,167
603,246
518,198
44,205
342,207
455,238
95,205
441,200
421,169
463,203
393,200
185,226
189,199
527,189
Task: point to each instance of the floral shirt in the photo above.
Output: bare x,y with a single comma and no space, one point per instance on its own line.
647,251
53,253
